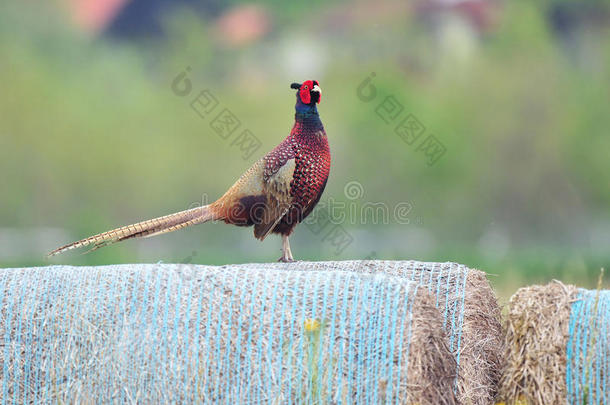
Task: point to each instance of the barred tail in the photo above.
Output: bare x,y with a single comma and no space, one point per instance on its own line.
148,228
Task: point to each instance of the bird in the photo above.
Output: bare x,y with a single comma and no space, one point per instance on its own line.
274,195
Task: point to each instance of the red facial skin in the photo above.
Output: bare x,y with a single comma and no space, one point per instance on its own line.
304,91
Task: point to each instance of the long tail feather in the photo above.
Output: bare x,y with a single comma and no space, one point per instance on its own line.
147,228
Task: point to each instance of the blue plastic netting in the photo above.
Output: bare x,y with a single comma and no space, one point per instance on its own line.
588,349
447,281
182,334
471,315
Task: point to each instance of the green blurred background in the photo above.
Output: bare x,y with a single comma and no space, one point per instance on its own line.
93,136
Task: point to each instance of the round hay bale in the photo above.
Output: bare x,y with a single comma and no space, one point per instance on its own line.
557,346
471,315
185,333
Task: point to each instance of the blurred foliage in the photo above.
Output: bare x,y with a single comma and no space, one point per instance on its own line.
93,136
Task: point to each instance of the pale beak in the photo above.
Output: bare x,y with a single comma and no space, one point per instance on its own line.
317,88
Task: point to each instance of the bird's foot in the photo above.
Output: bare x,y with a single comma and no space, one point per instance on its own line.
286,253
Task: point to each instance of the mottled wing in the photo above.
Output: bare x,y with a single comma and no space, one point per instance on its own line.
276,188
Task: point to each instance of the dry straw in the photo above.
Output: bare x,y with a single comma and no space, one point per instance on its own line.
195,334
471,315
557,346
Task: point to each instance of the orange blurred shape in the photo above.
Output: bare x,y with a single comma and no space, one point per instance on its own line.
243,25
94,15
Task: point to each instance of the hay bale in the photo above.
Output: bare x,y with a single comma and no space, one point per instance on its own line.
471,315
557,346
186,333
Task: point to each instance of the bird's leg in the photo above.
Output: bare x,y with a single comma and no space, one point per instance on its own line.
286,253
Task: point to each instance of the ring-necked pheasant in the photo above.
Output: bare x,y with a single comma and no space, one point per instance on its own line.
274,195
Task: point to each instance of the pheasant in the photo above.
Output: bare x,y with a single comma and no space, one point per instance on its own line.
274,195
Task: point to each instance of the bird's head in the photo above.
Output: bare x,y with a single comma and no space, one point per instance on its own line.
309,92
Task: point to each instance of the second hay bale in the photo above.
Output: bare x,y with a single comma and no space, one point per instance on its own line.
557,346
